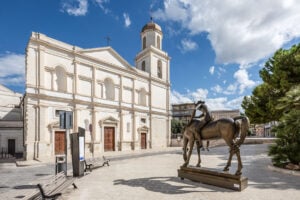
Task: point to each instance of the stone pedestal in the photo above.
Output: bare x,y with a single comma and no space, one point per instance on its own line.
215,178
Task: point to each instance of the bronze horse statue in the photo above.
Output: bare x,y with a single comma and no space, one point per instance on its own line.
226,128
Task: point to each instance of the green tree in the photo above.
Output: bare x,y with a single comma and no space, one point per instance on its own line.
176,126
287,147
278,99
280,73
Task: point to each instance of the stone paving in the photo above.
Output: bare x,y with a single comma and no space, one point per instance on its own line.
155,177
152,174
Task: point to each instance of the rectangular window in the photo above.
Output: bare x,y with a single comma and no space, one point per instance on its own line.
57,112
143,120
128,127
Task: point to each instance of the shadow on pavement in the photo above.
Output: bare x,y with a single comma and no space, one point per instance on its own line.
168,185
255,167
25,187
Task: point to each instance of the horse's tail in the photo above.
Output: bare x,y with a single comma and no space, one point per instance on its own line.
244,127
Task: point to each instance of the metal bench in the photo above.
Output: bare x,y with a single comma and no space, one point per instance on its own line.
52,188
92,163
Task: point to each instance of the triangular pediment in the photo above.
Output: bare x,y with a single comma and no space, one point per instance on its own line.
110,119
54,124
143,128
5,89
108,55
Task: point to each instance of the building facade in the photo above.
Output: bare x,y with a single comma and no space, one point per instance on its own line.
121,107
11,123
183,112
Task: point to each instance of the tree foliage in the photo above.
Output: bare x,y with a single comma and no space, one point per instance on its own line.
287,147
278,99
176,126
280,73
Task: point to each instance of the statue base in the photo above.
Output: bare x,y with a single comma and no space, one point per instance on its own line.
215,178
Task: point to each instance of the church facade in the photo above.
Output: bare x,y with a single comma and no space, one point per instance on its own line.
121,107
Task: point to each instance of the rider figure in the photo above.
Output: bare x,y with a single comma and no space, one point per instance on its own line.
205,117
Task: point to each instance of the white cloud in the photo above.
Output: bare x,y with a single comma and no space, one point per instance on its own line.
243,80
240,31
12,69
231,89
102,6
79,9
217,89
127,19
177,98
212,70
220,103
188,45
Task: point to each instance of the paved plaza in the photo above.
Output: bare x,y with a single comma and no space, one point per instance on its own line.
155,177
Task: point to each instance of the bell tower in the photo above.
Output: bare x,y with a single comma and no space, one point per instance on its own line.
152,58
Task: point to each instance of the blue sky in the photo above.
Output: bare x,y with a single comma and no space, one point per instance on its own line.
217,47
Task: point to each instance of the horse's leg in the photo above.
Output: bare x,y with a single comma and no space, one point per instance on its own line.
231,152
240,165
198,151
185,142
191,145
207,145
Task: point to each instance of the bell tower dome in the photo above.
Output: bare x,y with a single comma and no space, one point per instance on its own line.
151,35
152,59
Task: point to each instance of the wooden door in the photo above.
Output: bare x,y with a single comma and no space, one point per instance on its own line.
11,147
109,138
143,141
60,142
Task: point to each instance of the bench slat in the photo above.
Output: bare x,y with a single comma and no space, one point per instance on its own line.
54,185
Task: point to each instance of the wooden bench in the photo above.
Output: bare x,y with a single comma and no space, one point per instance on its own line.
52,188
92,163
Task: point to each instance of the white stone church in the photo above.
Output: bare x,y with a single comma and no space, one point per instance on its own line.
121,107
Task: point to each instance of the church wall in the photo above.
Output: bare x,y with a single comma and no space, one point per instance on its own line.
159,130
31,60
127,126
70,84
30,129
54,59
84,87
159,96
127,82
101,75
48,80
127,95
84,71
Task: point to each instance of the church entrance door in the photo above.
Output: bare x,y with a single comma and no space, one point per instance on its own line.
143,141
109,138
59,142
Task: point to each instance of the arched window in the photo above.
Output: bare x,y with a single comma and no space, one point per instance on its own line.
143,66
159,69
158,42
142,97
61,79
109,89
144,43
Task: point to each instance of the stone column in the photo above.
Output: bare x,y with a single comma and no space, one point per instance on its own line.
41,70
